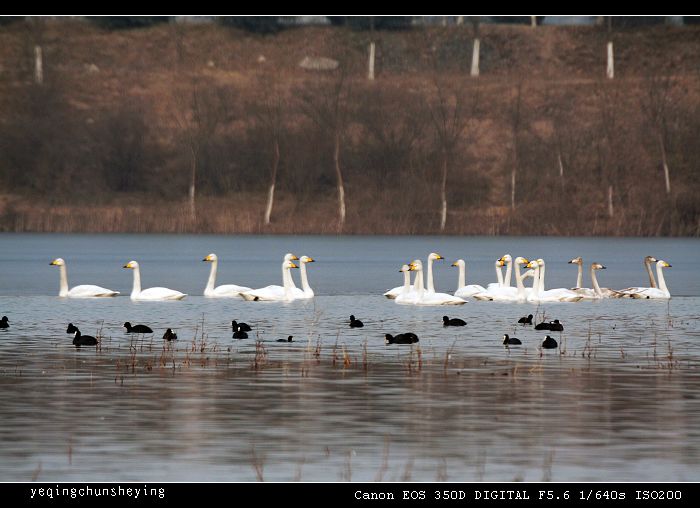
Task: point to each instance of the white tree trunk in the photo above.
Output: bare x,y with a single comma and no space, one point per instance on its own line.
271,193
193,210
443,194
270,200
341,187
611,62
561,170
460,20
667,176
38,66
611,209
475,58
533,21
370,73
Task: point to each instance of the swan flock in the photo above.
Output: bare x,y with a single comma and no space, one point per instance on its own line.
520,268
420,291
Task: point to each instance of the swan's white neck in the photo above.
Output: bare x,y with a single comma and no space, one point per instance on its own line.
660,276
536,280
462,279
652,282
596,287
419,282
304,281
287,279
212,277
519,282
406,282
509,273
499,274
431,286
579,278
541,289
137,282
63,288
287,282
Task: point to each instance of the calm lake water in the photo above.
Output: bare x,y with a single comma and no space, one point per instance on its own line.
617,401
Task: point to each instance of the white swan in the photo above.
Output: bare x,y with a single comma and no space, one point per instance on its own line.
538,294
157,293
660,293
504,292
409,293
464,291
428,297
82,291
284,293
305,292
225,290
594,293
399,290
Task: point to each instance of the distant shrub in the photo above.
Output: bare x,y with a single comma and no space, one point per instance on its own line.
126,22
255,24
8,20
380,22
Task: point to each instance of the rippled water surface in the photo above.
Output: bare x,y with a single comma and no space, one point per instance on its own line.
617,401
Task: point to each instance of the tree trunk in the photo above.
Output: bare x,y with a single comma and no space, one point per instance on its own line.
475,58
512,189
370,72
38,65
193,210
341,188
273,181
561,170
443,194
611,209
611,63
667,177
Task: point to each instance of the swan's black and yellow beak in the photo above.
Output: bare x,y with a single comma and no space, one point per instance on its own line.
53,262
310,260
455,264
667,265
206,259
526,261
294,258
293,265
439,256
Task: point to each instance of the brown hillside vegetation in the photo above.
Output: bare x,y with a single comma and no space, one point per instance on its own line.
125,122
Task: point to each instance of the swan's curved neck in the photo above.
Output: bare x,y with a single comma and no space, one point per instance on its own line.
579,278
536,280
596,287
509,274
541,278
419,281
431,285
660,276
63,288
406,282
652,282
212,276
519,282
287,281
304,280
462,280
137,282
499,274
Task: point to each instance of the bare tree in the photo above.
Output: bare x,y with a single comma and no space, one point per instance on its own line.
268,115
327,106
515,117
449,123
657,105
199,115
475,20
